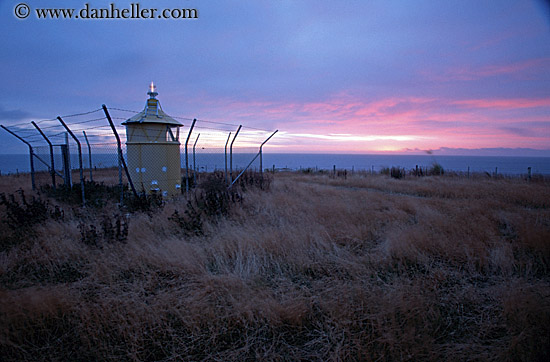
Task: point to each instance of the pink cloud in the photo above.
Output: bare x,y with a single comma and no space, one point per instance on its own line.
516,103
518,69
346,123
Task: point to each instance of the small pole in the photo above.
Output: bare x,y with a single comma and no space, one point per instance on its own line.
231,155
261,162
226,174
194,163
89,154
257,155
372,170
66,159
52,170
187,159
31,153
244,170
496,171
334,170
416,171
261,165
529,173
79,159
120,158
468,171
119,164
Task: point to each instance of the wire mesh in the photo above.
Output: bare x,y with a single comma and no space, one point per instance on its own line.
212,146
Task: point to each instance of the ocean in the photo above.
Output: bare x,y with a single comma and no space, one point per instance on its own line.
215,161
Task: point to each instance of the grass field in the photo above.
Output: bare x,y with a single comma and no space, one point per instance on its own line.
366,268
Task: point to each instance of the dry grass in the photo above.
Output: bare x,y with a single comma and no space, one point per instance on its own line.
316,268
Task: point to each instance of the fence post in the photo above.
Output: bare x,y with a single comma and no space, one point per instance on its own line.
33,183
89,154
52,169
31,153
121,158
231,155
243,171
66,159
79,159
119,162
226,142
261,154
187,159
250,163
194,163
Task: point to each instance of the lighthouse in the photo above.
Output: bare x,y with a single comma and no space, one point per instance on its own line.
153,149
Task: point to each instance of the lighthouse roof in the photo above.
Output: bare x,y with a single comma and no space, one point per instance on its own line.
152,113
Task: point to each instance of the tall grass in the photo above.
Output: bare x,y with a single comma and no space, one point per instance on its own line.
314,268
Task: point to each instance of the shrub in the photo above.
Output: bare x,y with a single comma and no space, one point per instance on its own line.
251,179
213,199
397,172
190,180
436,169
110,232
144,202
97,194
22,215
191,223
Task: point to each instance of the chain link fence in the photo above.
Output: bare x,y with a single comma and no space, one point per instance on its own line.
78,148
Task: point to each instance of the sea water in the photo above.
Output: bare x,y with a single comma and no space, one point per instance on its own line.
295,161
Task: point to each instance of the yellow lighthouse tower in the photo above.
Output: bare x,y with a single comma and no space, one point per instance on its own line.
153,149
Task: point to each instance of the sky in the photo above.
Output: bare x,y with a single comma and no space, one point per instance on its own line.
354,76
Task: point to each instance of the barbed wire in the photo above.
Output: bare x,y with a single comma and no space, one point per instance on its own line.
123,110
96,127
21,129
185,118
82,114
213,134
191,119
215,129
87,121
46,120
